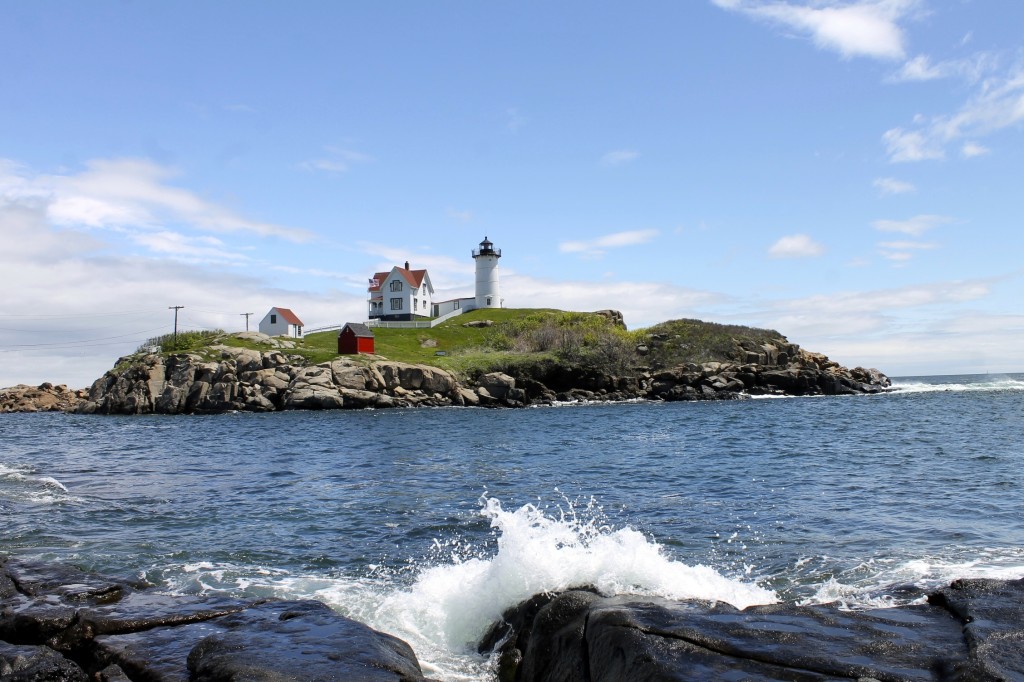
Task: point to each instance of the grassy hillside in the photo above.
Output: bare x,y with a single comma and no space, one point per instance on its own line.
524,337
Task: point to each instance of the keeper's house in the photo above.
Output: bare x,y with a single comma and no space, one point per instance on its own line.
355,338
401,295
281,322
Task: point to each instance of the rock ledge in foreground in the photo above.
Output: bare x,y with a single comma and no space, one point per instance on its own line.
62,625
972,631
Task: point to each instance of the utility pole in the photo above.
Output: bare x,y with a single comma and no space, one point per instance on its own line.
246,316
175,308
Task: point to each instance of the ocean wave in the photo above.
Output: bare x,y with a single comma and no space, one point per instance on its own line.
965,383
23,484
445,605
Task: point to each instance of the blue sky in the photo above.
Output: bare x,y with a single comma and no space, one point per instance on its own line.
848,173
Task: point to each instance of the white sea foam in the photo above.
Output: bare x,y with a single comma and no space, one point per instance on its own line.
971,383
444,607
22,484
869,584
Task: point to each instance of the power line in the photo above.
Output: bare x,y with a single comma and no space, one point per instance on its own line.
76,315
18,346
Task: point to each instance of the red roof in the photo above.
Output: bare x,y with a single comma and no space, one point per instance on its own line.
289,316
379,278
413,277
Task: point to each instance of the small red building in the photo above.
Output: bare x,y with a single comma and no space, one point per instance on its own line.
355,338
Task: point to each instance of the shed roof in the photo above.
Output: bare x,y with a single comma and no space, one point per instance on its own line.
359,329
289,316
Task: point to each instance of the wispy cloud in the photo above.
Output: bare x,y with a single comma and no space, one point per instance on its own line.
336,160
796,246
997,104
921,68
903,251
619,157
864,28
129,194
889,186
597,247
972,149
915,226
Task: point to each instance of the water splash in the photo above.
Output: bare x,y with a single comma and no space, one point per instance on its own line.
450,606
959,383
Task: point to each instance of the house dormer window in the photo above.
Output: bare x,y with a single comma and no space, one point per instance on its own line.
396,285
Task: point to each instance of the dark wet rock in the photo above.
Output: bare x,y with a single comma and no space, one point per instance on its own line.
971,631
58,623
299,640
37,664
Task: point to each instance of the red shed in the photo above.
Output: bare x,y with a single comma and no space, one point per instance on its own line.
355,338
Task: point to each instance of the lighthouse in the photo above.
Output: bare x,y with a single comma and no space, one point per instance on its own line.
486,257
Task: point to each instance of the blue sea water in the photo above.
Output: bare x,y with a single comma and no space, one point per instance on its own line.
427,523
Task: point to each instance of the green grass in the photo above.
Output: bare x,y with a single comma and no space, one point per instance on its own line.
520,337
466,349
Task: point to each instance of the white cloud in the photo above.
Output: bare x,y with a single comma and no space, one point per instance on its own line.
908,246
619,157
796,246
915,226
921,68
865,28
997,104
888,186
909,145
128,194
337,160
597,247
81,303
189,248
642,303
903,251
972,149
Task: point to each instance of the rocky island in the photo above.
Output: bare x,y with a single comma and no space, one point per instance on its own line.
529,358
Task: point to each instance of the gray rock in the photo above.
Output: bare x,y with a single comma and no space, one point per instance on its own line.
496,384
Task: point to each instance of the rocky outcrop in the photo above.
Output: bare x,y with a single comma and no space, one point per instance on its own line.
970,631
248,380
60,624
239,379
43,398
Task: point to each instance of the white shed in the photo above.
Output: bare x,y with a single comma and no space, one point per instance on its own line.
281,322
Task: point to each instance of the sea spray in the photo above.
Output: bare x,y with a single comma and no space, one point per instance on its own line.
449,606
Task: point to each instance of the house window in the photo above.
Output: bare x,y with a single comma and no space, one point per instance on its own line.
396,285
488,300
273,319
396,304
298,331
415,304
458,304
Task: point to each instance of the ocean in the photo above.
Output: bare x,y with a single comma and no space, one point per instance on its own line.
428,523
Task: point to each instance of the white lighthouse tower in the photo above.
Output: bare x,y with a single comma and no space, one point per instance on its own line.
486,257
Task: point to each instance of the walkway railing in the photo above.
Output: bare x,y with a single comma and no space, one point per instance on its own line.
417,324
